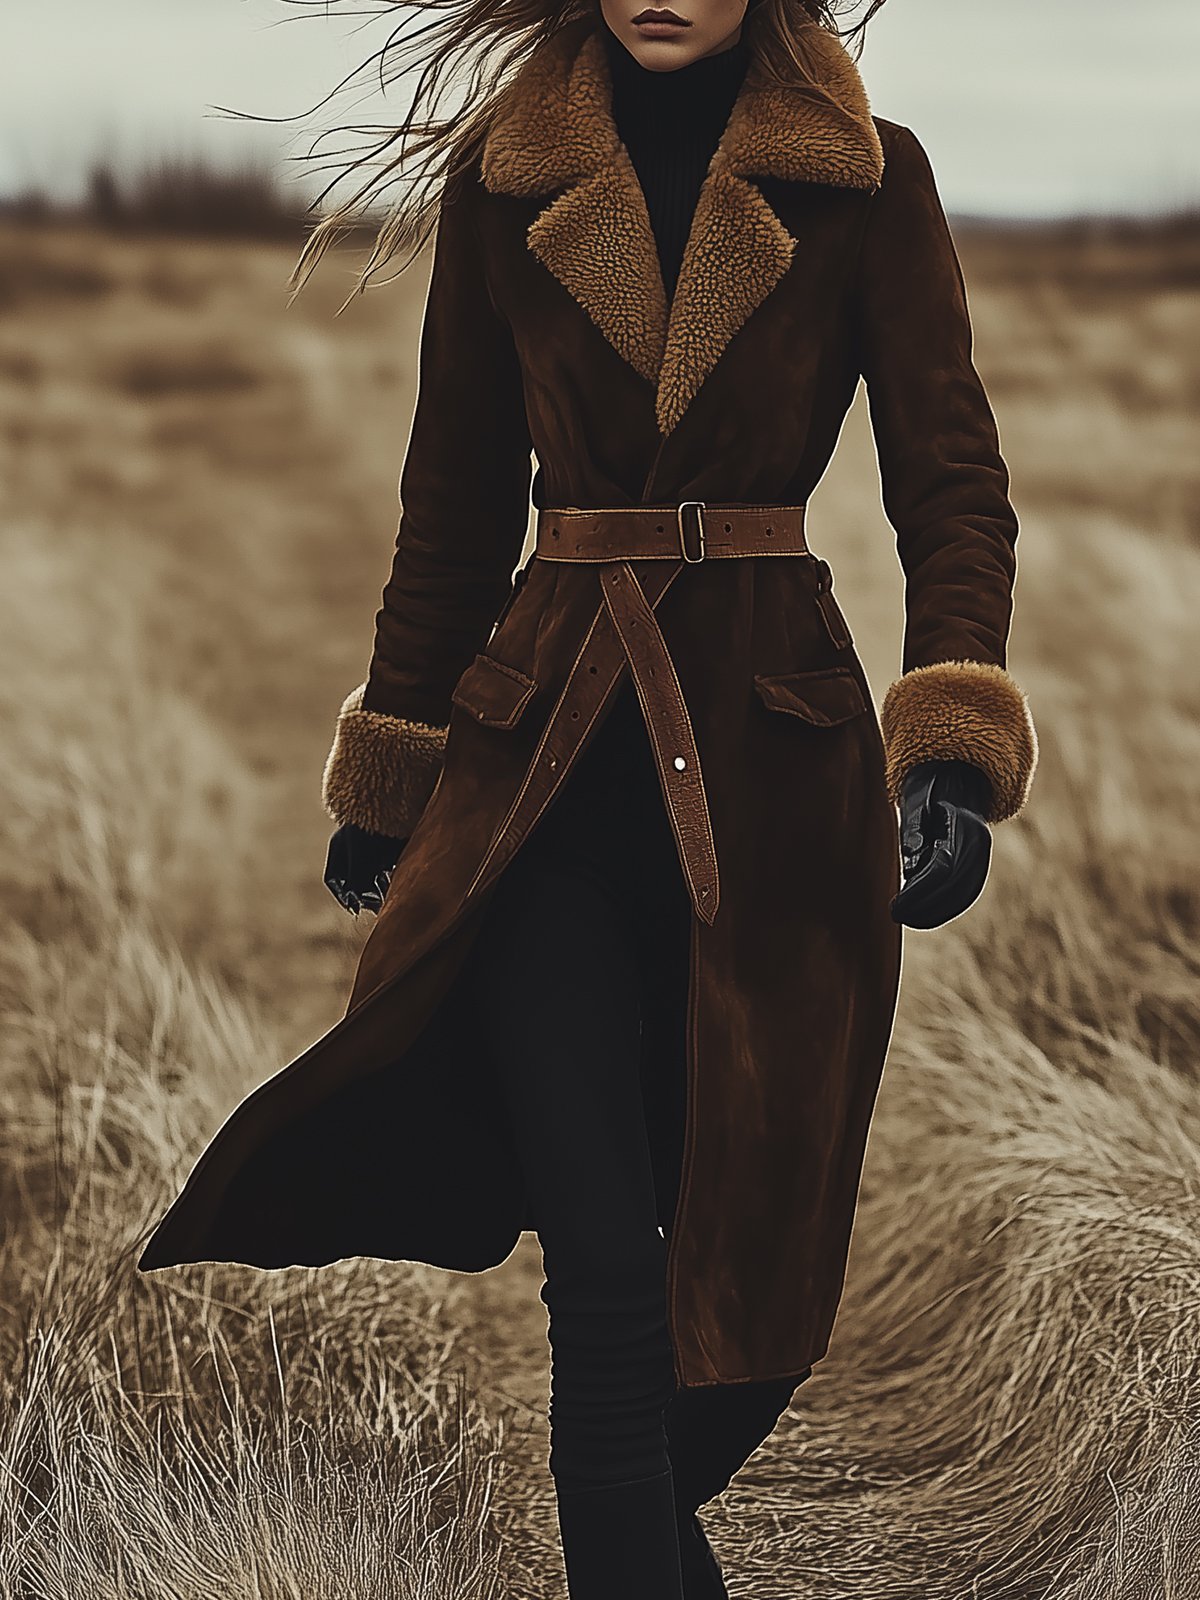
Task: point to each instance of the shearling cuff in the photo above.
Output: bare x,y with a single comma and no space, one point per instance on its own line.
962,711
381,770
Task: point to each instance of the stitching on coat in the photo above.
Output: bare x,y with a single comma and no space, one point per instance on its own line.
533,761
464,700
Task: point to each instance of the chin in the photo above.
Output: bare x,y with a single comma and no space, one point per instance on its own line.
664,55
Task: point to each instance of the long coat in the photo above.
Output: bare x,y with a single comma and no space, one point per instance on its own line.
819,254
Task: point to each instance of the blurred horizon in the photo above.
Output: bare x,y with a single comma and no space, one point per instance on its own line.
1064,112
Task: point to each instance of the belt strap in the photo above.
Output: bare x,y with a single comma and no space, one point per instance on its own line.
613,539
693,531
670,730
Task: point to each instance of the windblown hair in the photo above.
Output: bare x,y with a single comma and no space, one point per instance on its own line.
472,49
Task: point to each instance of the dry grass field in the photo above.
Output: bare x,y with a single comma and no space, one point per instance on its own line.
197,505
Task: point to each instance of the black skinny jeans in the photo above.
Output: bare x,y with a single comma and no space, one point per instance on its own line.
580,974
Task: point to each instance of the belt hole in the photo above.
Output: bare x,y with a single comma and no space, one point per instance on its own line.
554,533
770,531
593,670
660,527
574,716
729,527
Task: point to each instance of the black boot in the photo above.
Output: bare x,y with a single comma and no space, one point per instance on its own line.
702,1578
620,1540
712,1431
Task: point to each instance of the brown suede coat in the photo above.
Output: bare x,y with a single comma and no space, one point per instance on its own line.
819,254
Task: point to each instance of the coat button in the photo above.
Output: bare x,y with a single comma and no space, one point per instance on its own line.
680,763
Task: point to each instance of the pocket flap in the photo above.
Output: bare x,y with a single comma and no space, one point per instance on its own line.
825,697
493,693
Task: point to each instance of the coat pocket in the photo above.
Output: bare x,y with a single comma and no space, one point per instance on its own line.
823,697
494,694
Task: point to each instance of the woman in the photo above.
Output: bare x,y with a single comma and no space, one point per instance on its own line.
634,972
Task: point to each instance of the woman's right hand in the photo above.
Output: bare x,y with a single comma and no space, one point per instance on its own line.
359,867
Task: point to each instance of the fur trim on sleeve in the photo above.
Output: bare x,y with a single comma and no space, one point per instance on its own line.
381,770
962,711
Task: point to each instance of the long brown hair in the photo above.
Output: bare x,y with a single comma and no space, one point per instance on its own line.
475,47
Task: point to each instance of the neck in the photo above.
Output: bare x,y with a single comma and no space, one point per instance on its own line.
670,124
681,99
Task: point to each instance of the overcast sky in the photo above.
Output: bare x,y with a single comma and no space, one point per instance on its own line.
1028,107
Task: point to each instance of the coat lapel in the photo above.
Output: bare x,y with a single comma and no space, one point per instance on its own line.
553,129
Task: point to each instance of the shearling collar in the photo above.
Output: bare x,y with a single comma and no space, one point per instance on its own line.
554,127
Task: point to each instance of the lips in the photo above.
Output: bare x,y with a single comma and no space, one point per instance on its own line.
655,14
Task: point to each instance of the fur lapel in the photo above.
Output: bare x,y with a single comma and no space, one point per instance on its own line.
554,129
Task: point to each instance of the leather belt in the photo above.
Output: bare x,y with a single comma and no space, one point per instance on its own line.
694,531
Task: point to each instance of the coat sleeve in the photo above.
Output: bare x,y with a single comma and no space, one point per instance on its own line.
945,490
464,493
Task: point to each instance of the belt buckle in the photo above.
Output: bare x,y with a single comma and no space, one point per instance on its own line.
685,505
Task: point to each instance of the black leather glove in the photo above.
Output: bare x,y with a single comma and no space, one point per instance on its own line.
945,844
359,867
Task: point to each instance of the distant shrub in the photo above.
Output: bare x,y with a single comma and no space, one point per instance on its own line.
1102,254
30,206
170,195
27,274
153,374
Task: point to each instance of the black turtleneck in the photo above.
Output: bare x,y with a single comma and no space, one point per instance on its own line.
671,122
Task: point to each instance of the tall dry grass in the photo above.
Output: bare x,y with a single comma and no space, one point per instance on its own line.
1011,1403
198,495
213,1433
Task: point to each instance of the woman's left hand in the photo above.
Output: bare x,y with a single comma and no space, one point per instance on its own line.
359,866
945,844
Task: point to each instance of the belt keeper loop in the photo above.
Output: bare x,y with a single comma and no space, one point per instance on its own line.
683,506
